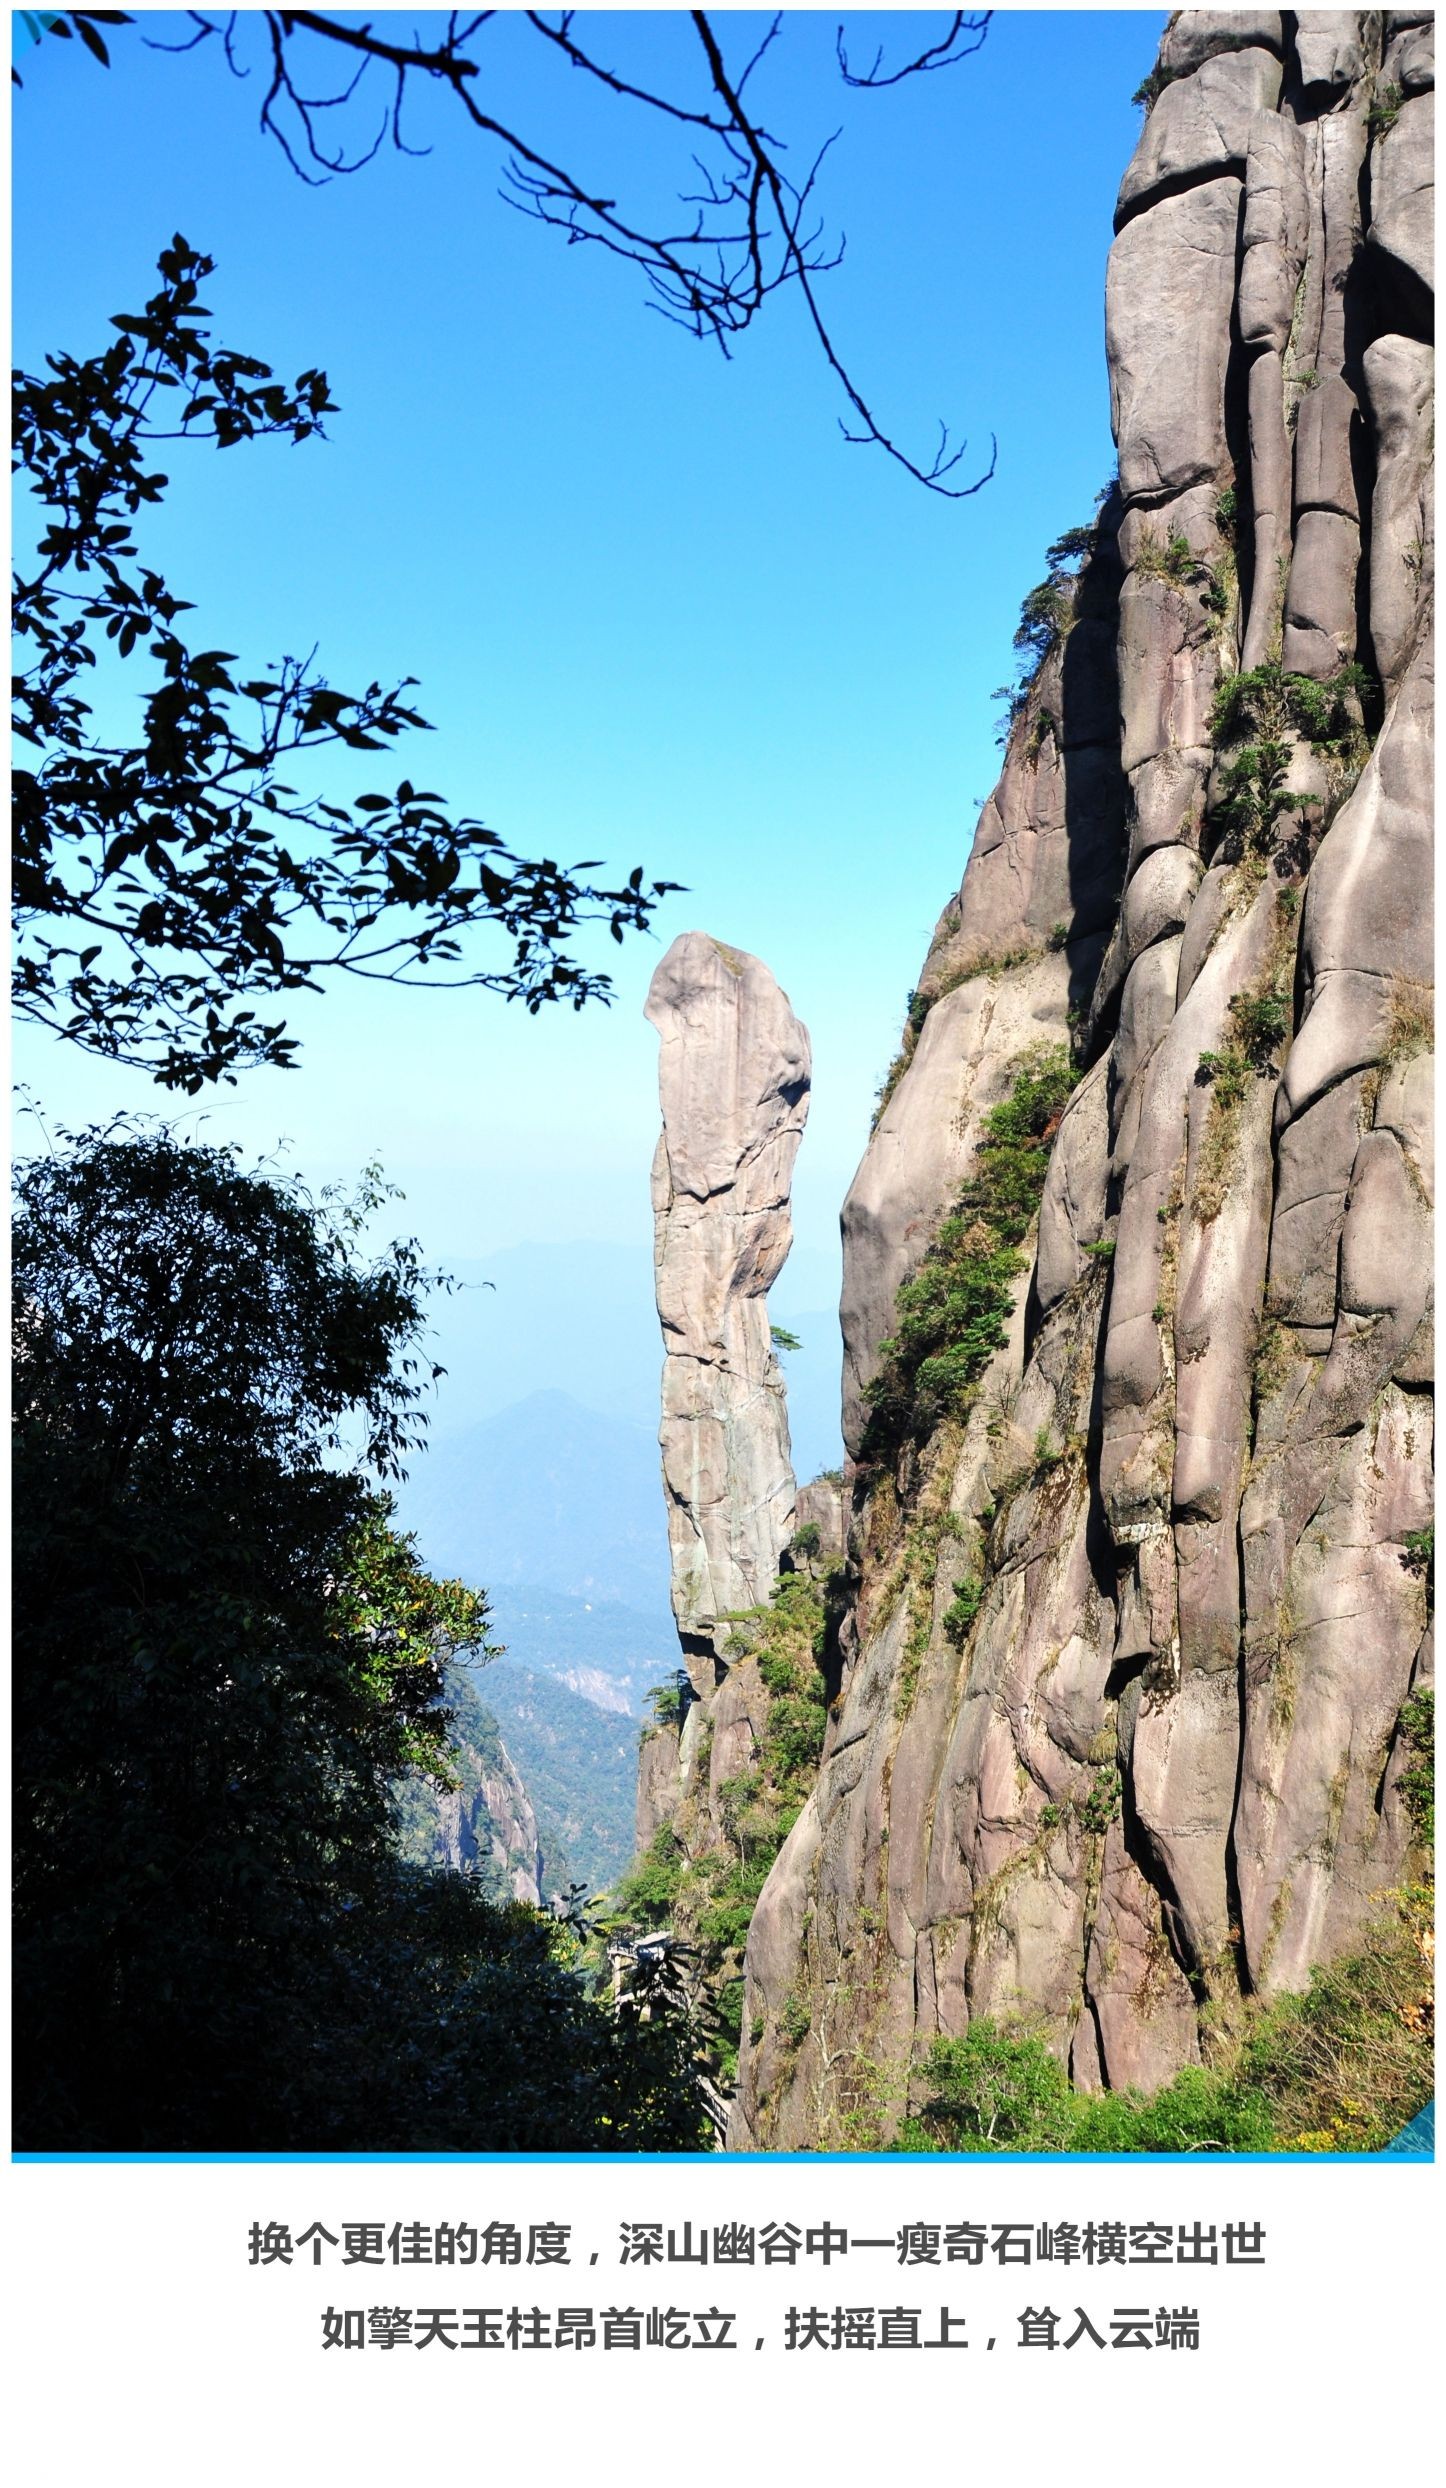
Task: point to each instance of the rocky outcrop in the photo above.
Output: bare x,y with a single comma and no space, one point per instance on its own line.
1134,1595
725,1762
659,1782
733,1076
489,1821
1013,953
484,1825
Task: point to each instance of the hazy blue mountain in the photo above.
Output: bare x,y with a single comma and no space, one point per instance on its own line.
548,1493
608,1653
553,1503
579,1318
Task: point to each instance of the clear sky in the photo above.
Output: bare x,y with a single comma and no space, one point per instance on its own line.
660,613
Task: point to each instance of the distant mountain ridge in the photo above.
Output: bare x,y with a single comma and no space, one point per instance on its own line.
546,1787
579,1765
550,1493
579,1318
608,1653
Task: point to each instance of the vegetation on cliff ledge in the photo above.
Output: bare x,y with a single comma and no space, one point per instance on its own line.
953,1314
703,1872
1343,2067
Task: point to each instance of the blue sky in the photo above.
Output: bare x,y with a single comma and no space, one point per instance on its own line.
660,613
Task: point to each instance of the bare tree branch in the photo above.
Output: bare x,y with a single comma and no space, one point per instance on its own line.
943,464
749,232
956,46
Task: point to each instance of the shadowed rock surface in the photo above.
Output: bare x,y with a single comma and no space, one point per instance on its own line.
1133,1596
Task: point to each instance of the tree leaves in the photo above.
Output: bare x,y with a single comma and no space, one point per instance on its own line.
245,887
226,1655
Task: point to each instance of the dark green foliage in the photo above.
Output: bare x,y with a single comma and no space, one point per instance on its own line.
1228,1073
1349,2063
1265,701
1253,796
225,1659
1058,938
649,1890
795,2021
1072,546
1015,696
163,889
1385,111
960,1614
1150,89
1227,513
953,1314
443,2022
806,1541
790,1656
1044,729
786,1342
1099,1808
1043,618
1172,560
1418,1780
1421,1548
707,1891
667,1703
1102,1249
1261,1022
67,22
990,2092
1198,2111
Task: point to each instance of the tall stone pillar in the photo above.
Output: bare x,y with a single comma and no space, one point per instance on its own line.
733,1078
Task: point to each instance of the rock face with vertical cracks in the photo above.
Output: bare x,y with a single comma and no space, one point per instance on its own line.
733,1077
1150,1763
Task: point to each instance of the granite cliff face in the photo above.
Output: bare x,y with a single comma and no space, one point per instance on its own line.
1140,1455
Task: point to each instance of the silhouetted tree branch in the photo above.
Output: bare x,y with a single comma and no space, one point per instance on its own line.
161,889
961,42
750,230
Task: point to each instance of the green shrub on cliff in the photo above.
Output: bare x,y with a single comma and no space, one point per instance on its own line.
953,1314
1418,1780
702,1875
1343,2067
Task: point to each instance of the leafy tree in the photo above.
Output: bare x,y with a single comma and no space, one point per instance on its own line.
165,888
667,1703
989,2092
953,1313
226,1658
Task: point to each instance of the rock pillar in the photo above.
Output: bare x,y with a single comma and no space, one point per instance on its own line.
733,1079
